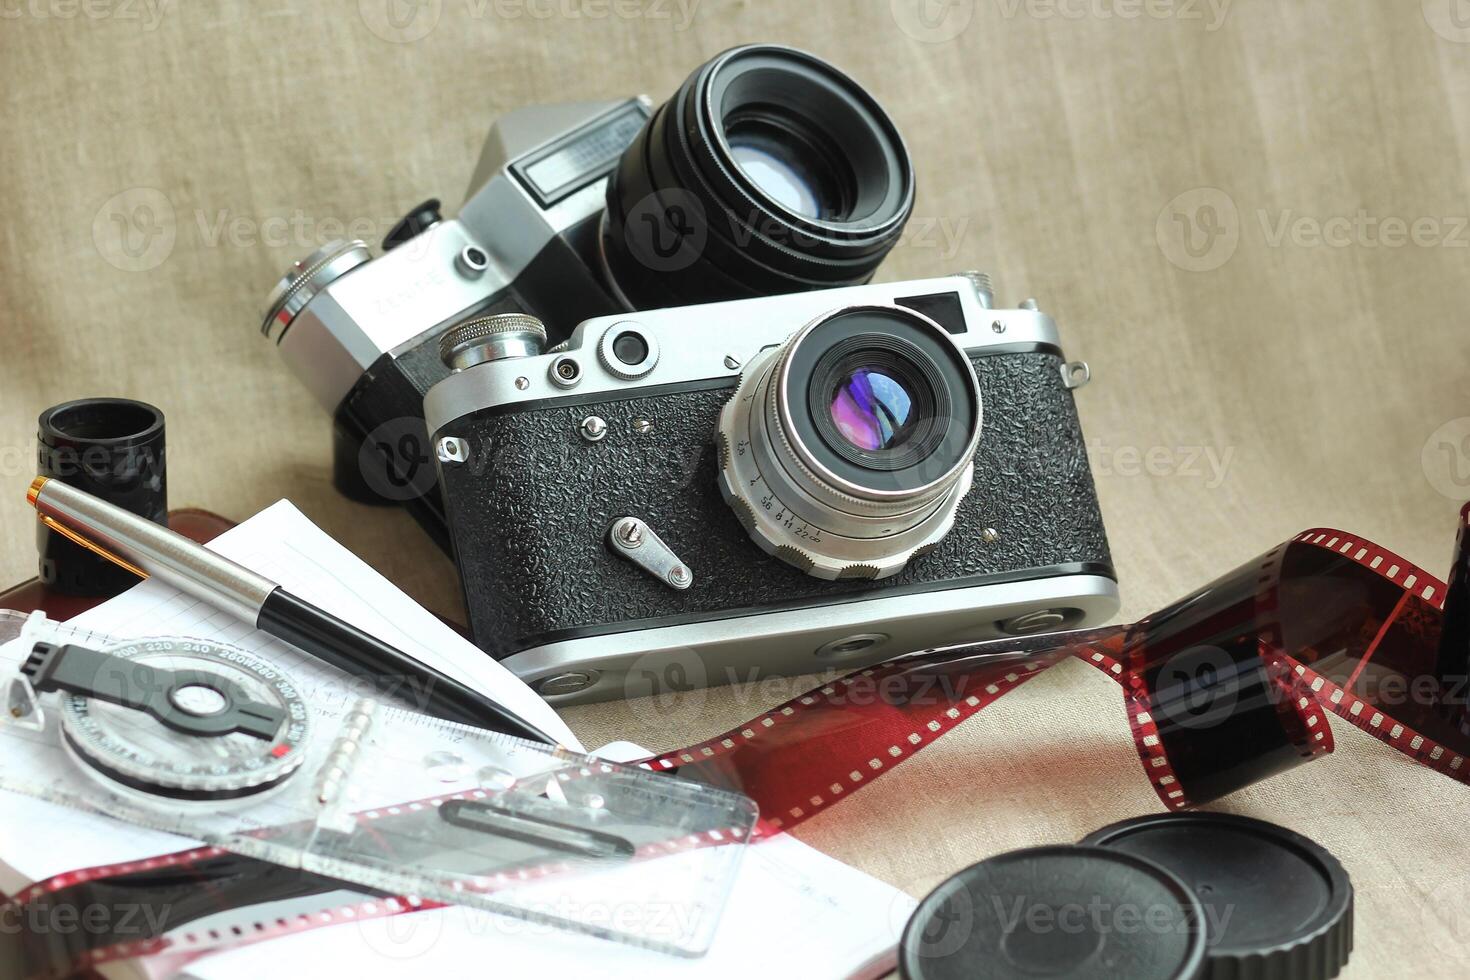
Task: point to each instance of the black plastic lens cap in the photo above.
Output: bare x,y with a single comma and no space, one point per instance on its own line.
1074,912
1276,904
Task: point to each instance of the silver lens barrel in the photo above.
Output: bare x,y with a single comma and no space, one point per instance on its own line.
847,449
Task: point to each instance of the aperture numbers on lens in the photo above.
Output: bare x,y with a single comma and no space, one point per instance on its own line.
783,516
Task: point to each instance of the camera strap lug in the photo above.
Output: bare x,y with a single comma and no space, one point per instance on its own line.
637,542
1075,374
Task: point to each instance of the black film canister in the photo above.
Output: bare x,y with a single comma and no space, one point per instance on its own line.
112,448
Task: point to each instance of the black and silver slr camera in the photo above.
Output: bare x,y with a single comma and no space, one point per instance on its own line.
768,172
766,486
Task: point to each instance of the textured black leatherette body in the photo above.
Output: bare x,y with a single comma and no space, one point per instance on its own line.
530,511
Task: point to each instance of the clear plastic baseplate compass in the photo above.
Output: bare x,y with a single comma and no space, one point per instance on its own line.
209,741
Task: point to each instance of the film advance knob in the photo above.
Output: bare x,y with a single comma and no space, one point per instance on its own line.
491,338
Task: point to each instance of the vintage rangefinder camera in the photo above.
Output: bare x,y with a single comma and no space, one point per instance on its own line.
768,171
710,494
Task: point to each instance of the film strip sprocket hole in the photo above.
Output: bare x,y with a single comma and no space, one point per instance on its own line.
1225,687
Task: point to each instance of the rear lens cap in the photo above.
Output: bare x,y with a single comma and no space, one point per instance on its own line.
1073,912
1276,904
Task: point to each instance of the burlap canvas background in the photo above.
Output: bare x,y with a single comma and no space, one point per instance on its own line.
1249,216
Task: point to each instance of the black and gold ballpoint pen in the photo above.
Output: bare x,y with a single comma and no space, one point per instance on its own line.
150,550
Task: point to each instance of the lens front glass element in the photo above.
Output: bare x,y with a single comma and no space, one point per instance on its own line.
881,399
788,160
873,410
777,176
878,400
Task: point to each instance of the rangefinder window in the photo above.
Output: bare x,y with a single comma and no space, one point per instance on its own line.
944,309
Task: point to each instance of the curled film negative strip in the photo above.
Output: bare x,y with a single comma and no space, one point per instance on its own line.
1223,688
1227,686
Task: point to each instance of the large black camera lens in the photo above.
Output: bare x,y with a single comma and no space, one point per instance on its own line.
768,172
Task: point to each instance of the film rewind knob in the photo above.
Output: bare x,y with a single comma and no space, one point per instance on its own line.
492,338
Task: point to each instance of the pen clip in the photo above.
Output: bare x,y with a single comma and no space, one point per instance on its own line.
90,545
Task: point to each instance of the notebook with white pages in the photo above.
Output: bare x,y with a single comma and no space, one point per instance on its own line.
791,904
